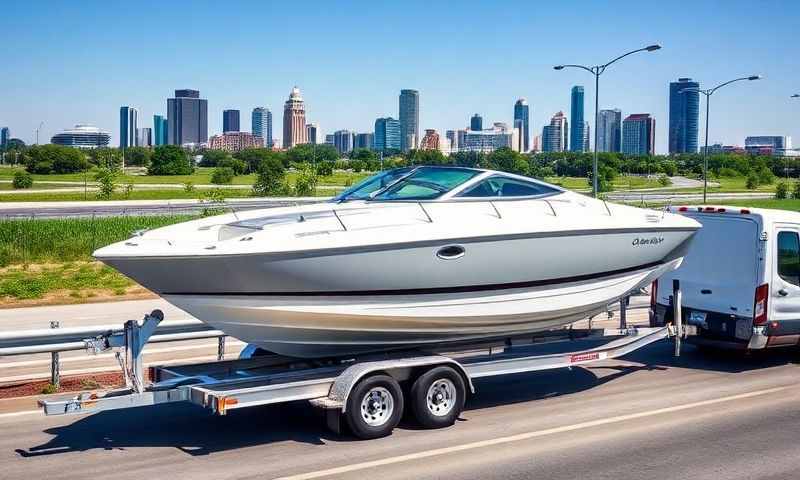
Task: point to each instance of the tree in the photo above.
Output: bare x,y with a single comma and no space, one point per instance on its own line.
311,153
137,156
211,158
22,180
427,157
55,159
752,181
106,157
781,191
324,169
253,157
271,179
364,155
170,160
234,164
222,175
306,183
507,160
107,182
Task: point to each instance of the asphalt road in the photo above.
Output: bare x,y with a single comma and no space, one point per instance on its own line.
647,417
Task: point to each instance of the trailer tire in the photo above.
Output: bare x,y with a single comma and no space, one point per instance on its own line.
374,407
437,397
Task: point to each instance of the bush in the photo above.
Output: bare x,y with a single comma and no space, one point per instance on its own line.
752,182
188,187
237,166
211,158
22,180
765,176
728,172
222,175
253,157
137,156
325,169
107,182
170,160
781,191
271,178
664,181
796,191
306,183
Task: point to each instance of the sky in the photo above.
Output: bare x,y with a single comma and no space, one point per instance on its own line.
68,62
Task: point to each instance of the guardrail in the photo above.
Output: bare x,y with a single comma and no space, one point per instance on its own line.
56,340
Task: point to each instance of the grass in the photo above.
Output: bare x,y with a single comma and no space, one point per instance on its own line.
79,279
620,183
25,241
792,204
171,194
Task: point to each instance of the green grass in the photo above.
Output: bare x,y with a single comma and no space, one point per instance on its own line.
24,241
791,204
168,194
620,183
22,283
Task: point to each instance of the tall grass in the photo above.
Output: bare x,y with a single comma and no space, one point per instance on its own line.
25,241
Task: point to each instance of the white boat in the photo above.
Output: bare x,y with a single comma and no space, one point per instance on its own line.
409,257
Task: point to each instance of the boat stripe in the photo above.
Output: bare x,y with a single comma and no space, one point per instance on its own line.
433,290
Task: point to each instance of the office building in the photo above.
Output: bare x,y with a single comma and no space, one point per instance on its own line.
387,134
521,121
261,125
586,144
452,138
187,118
160,128
294,120
430,141
638,134
312,133
343,141
768,145
128,126
476,123
684,116
486,141
5,136
576,132
329,139
145,137
235,141
230,121
609,131
364,140
536,146
555,136
82,136
409,119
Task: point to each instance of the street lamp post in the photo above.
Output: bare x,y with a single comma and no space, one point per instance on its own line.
708,92
598,70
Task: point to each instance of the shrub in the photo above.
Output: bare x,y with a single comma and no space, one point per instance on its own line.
781,191
664,181
137,156
728,172
765,176
188,187
170,160
237,166
325,169
222,175
107,182
796,191
306,183
211,158
271,178
752,181
22,180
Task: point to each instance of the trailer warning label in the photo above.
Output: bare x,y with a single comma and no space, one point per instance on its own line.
585,357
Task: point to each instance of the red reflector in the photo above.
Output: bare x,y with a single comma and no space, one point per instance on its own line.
760,305
710,209
745,211
683,209
720,210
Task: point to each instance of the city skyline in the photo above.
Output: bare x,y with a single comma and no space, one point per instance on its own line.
90,89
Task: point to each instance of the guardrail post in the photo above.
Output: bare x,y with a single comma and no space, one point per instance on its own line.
623,313
676,315
55,366
221,348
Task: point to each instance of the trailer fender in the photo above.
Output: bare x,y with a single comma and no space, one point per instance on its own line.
344,383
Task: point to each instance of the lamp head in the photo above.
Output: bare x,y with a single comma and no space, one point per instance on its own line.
559,67
653,48
754,77
796,95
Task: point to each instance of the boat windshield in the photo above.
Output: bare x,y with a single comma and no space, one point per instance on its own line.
363,189
425,183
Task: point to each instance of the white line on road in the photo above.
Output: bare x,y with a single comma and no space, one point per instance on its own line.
522,436
20,414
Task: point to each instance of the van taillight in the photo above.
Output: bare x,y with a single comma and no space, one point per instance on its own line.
760,305
653,294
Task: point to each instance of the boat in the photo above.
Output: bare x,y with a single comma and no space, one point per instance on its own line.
409,257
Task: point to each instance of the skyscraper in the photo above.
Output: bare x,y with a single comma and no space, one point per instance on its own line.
145,137
638,134
576,113
452,137
4,137
261,125
187,118
312,133
294,120
609,131
364,140
586,144
387,134
521,118
160,129
230,121
476,123
430,141
555,135
684,116
343,141
128,126
409,119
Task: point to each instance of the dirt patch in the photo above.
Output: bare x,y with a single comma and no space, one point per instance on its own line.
64,297
81,383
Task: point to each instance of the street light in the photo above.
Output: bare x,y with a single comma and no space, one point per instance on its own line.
598,70
796,95
708,92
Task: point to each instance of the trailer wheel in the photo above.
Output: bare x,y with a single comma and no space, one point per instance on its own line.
374,407
437,397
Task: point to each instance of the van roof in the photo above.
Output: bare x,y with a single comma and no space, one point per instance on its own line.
767,215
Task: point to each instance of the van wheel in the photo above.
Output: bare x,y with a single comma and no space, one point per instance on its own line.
374,407
437,397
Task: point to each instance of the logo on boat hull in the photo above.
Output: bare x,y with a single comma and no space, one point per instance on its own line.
641,242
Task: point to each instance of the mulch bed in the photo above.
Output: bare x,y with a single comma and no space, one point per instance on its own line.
80,383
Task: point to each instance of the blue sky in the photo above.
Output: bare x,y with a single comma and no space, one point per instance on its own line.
78,61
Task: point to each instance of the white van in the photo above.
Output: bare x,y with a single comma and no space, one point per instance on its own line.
740,280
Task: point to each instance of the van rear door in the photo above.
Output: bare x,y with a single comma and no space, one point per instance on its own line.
719,274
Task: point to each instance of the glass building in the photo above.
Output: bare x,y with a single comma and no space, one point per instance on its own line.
364,140
387,134
261,123
684,116
230,121
4,137
576,114
343,141
476,123
187,118
638,134
409,119
82,136
521,121
159,130
128,127
609,131
554,136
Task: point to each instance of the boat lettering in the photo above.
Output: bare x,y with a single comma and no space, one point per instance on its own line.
638,242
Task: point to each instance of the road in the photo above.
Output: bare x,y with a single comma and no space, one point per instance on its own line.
648,417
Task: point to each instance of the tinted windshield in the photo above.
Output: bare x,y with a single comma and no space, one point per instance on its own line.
364,188
426,183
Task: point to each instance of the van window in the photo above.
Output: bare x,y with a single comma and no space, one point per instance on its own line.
789,257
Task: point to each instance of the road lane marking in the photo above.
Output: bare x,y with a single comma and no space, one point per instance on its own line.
20,414
522,436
